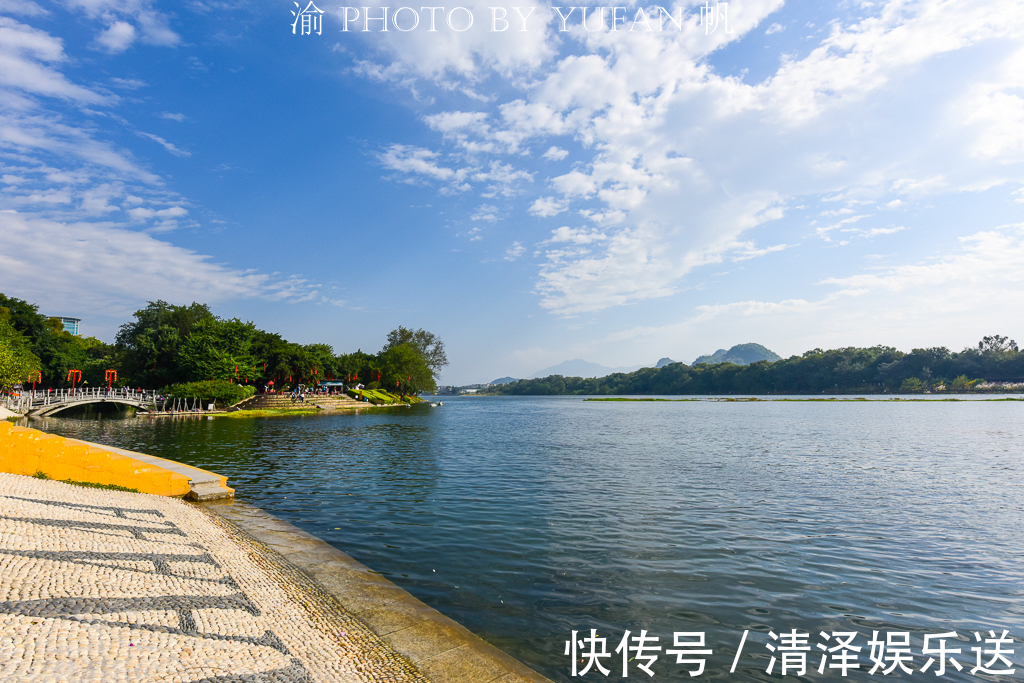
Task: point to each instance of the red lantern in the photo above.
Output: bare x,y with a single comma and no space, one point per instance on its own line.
74,376
111,376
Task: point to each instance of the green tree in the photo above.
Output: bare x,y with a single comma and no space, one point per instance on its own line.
997,344
57,350
218,349
404,369
427,344
151,345
17,362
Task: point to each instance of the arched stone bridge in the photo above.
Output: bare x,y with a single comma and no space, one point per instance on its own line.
43,403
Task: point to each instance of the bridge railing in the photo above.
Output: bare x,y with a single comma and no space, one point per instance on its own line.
27,401
24,401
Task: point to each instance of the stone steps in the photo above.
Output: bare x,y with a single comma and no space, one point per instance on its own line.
279,402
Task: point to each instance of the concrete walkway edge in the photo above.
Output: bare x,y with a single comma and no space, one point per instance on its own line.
443,650
204,485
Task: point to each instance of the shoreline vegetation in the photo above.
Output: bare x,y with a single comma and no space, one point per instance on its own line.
190,354
308,409
994,366
86,484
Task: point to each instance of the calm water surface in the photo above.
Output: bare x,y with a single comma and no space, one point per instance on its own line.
527,518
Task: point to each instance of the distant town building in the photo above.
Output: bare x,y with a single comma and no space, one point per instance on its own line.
70,324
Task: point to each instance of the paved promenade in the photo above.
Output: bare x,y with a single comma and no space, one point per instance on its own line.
101,586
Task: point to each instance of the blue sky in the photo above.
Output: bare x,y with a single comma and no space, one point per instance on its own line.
822,175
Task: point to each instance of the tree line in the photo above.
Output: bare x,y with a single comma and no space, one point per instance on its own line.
993,364
166,345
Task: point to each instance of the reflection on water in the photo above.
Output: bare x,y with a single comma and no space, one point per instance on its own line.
527,518
99,411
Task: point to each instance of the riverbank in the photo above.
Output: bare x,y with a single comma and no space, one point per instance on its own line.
111,586
157,589
134,577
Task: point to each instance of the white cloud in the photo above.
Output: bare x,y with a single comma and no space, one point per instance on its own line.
748,250
451,121
128,83
994,109
988,261
97,200
167,145
555,153
118,37
172,116
951,299
675,161
24,7
126,21
545,207
87,208
843,226
576,236
417,161
27,60
515,251
485,212
575,184
884,231
170,212
47,134
456,60
501,179
86,254
919,186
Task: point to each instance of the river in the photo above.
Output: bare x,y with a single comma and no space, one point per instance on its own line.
528,518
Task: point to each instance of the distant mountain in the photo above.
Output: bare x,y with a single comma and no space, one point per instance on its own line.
741,354
585,369
581,368
505,380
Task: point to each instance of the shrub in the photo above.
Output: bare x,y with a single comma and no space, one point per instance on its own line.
912,385
962,384
218,391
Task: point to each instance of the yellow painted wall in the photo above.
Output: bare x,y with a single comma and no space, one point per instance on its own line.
27,451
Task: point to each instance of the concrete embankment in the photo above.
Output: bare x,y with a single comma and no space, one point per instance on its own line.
440,648
116,586
112,587
35,453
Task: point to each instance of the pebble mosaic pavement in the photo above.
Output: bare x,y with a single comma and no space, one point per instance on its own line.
101,586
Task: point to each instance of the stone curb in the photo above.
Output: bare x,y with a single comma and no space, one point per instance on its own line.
443,650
